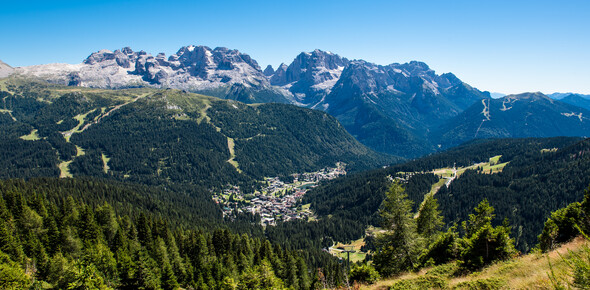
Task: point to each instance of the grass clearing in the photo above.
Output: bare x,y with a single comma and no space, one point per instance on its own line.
230,145
495,168
443,172
354,257
65,170
105,163
492,166
33,136
79,151
80,118
356,245
435,187
3,85
203,113
494,160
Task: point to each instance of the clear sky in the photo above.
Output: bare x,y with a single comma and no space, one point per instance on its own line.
499,46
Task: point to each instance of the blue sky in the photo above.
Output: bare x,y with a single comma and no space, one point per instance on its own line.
500,46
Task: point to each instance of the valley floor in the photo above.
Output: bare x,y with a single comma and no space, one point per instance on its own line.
530,271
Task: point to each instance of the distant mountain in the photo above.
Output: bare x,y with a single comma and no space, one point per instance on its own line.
221,72
310,77
559,96
5,70
392,108
514,116
582,101
269,71
158,136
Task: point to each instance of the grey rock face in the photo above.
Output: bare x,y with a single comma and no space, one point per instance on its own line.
310,76
5,70
100,56
280,75
269,71
315,67
393,108
192,68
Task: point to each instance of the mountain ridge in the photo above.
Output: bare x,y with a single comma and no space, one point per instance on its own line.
399,109
514,116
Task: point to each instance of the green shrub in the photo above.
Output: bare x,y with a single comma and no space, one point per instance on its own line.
364,273
561,226
445,248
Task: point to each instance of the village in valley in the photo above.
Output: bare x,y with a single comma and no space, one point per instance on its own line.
277,200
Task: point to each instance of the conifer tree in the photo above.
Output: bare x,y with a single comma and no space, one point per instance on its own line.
429,221
483,243
484,213
398,248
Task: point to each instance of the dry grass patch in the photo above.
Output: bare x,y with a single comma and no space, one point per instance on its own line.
526,272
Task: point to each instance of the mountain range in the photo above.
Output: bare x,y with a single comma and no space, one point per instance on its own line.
402,109
578,100
515,116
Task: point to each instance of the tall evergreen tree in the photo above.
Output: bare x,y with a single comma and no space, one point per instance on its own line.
398,248
429,221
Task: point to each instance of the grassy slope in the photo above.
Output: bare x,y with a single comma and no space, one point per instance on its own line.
526,272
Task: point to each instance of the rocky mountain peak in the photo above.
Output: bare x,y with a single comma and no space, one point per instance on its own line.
280,75
313,67
269,71
100,56
448,80
192,68
127,50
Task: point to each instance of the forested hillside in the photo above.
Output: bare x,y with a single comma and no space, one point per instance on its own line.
538,179
165,136
93,235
